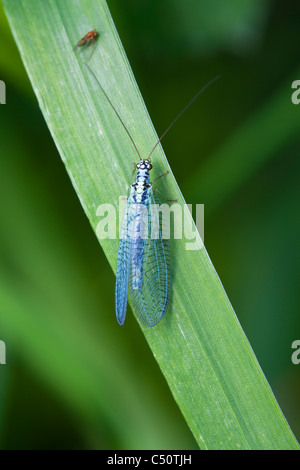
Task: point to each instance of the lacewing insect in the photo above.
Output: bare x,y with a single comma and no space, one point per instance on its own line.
143,266
89,38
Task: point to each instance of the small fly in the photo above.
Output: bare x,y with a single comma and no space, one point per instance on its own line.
89,38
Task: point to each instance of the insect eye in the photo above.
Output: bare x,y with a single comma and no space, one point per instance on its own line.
149,166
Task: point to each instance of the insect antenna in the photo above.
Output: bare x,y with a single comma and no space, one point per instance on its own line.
183,111
116,112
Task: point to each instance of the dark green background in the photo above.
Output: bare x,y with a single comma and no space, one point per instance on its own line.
236,150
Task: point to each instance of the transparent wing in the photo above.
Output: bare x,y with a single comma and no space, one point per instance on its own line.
150,301
123,270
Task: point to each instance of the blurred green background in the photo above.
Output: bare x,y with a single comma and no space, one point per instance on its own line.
235,150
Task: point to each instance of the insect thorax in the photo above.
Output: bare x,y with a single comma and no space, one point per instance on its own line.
140,192
141,188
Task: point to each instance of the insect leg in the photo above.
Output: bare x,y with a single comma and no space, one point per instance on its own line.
164,174
164,197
